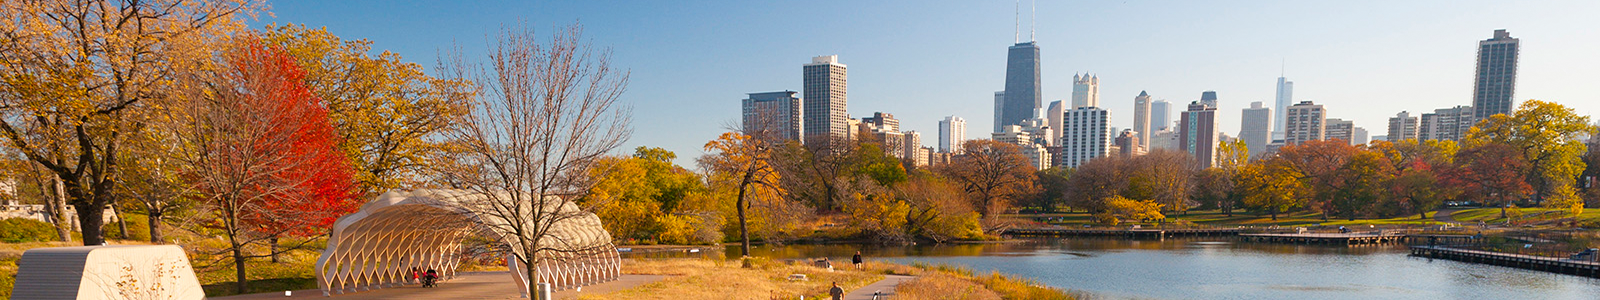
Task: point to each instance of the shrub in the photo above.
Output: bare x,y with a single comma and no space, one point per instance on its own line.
19,230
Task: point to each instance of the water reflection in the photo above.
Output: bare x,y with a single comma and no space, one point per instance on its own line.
1222,269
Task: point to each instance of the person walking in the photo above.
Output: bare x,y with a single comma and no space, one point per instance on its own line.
856,260
836,292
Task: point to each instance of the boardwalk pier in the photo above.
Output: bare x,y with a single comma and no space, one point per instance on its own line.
1530,262
1346,239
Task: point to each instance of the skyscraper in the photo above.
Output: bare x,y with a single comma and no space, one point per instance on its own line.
1161,115
1285,99
1052,118
1085,90
1197,133
1402,127
1085,135
1128,144
1209,98
1338,129
773,114
824,90
1141,119
952,132
1496,77
1360,137
999,109
1305,123
912,146
1255,128
1022,94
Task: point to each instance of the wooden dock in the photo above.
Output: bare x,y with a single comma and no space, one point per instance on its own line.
1127,233
1347,239
1530,262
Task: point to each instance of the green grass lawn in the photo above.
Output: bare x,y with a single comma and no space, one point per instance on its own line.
1492,215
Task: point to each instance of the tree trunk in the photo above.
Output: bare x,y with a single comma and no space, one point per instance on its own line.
89,220
238,269
1423,215
272,245
57,200
122,223
744,231
154,219
1274,215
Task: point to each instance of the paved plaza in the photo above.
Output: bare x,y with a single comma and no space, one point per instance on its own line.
469,285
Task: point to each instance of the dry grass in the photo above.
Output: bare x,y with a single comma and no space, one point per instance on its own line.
943,286
726,279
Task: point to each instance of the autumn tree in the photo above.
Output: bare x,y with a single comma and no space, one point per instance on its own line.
1362,182
638,197
936,210
1214,188
72,72
992,174
1319,165
1490,174
1546,134
1096,180
745,163
1272,186
1053,185
389,113
261,153
1120,209
548,112
1162,176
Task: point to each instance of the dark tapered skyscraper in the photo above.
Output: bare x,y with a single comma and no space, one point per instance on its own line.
1497,75
1022,96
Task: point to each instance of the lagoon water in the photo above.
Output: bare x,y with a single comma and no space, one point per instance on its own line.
1223,269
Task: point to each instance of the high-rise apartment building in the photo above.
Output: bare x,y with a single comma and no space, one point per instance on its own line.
1448,124
1128,144
1305,123
1085,91
912,145
1360,137
1284,100
1037,154
1052,118
1209,98
825,119
1197,133
882,122
1402,127
1084,135
1022,94
952,133
1496,79
773,114
1160,115
1255,128
1141,119
1337,129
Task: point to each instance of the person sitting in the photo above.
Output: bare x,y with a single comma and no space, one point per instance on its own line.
430,278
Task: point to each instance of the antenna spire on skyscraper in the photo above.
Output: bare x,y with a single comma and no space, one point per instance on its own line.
1016,11
1033,19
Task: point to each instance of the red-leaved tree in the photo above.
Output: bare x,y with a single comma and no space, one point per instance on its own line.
1490,174
262,153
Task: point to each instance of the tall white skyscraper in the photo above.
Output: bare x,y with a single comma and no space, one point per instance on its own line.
999,110
1360,137
1141,119
1161,115
1285,99
1085,90
1448,124
1085,135
1305,123
1053,120
1254,128
952,132
774,114
824,82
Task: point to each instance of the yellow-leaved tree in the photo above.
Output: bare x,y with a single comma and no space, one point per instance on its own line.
1546,134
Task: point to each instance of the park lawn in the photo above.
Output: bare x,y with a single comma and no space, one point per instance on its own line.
1492,214
1217,218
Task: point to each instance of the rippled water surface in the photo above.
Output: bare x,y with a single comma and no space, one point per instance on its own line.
1222,269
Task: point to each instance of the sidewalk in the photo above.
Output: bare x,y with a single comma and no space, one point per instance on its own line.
885,287
469,285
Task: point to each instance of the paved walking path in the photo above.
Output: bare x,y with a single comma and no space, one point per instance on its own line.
885,286
1447,216
473,285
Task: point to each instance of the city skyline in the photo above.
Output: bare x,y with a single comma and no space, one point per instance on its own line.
1413,56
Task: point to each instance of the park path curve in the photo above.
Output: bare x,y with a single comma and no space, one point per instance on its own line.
1447,216
885,286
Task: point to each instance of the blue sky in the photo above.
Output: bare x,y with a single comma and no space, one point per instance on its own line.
691,61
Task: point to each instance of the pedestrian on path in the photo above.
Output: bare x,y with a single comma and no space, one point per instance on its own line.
836,292
856,260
